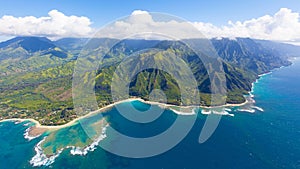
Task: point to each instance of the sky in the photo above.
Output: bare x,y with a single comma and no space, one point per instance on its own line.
230,18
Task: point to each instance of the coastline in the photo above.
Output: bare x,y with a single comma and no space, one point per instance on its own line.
45,128
165,105
39,129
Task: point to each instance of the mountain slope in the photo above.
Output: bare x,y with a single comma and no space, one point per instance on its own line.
23,54
285,50
238,80
30,44
247,54
35,82
29,47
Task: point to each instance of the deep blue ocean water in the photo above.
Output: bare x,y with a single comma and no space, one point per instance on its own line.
263,140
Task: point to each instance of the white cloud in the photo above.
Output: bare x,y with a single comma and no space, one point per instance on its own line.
55,25
283,26
143,24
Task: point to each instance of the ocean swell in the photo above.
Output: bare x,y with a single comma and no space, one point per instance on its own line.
90,148
28,137
250,107
223,112
41,159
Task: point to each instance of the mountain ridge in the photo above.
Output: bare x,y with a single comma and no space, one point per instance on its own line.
40,85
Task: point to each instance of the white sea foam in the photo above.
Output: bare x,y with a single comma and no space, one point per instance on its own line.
246,110
250,109
203,111
251,94
76,151
28,137
250,100
184,113
256,81
223,113
92,147
252,89
27,124
258,108
17,122
40,159
264,74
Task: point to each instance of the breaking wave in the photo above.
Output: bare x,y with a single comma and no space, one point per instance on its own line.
92,147
41,159
28,137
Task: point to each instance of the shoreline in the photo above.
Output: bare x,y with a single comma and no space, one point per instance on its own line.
73,122
193,106
39,129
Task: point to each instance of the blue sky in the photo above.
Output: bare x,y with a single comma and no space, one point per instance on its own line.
101,12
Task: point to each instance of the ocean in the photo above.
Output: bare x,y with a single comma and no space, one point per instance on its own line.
268,139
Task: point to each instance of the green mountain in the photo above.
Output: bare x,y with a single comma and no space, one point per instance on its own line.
30,44
36,73
24,54
248,54
285,50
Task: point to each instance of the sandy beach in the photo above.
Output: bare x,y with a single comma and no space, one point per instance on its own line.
39,129
186,107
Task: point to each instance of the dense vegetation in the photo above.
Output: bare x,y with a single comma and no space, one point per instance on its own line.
36,73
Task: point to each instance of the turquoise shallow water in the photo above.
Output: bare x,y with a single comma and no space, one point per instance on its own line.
265,140
15,150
